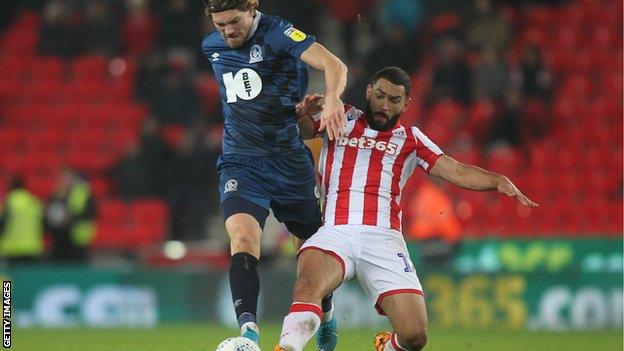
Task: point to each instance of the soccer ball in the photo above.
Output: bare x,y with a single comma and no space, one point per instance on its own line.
238,343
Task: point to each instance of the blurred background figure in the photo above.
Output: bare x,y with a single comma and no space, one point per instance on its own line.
69,216
100,29
21,226
57,34
434,226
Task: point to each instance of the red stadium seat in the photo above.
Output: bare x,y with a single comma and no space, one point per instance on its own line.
90,68
47,69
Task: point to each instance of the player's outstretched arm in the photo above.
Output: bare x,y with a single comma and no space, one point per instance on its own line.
475,178
305,110
333,116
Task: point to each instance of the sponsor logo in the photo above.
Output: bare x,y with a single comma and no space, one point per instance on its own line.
295,34
399,132
215,57
368,143
230,185
255,54
246,85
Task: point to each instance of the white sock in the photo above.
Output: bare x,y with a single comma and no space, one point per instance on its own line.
393,344
300,325
249,325
327,316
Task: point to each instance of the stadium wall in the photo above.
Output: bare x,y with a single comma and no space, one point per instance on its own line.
579,291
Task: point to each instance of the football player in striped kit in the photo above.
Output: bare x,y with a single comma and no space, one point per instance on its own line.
362,176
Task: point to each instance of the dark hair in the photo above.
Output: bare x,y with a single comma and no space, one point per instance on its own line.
213,6
394,75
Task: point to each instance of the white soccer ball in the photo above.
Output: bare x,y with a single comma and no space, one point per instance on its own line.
238,343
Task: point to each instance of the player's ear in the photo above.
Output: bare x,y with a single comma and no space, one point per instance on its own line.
407,102
369,91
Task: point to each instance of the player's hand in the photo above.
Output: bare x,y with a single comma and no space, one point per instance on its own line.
507,187
309,106
333,117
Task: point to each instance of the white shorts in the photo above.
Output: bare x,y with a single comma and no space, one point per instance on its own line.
377,257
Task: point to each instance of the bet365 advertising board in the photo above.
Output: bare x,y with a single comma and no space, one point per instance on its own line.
512,284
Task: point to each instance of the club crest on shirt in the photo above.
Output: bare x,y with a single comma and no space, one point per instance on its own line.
295,34
255,54
230,185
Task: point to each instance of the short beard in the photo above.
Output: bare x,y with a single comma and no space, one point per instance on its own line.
370,118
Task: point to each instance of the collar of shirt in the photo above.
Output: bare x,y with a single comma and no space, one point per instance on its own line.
254,27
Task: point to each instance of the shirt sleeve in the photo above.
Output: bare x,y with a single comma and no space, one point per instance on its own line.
427,152
288,40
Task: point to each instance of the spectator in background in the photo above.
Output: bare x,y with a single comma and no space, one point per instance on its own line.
21,225
394,49
348,13
190,172
7,13
69,217
490,75
178,101
149,78
100,32
507,127
487,27
451,76
406,13
156,155
535,78
57,33
132,174
434,225
140,27
180,26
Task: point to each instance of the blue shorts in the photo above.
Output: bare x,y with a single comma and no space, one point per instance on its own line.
284,183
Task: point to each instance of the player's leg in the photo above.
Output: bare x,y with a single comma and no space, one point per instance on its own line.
327,335
244,223
319,273
408,316
244,205
386,273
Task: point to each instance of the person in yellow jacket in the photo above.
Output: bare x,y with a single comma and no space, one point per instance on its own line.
70,217
21,225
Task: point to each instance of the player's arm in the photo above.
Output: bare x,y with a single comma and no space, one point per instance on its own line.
475,178
333,116
307,112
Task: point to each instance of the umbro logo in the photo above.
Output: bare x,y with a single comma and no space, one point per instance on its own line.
399,132
215,57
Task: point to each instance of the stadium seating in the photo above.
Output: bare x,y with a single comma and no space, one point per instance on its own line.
81,112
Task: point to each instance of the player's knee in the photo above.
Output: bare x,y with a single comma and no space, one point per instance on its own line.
415,340
244,242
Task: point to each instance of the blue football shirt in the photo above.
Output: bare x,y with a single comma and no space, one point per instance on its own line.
259,84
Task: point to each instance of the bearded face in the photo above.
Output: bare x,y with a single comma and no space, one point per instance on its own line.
385,103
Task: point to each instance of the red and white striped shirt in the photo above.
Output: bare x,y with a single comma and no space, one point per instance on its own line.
364,172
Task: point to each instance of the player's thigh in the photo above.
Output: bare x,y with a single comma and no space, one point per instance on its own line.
407,314
318,274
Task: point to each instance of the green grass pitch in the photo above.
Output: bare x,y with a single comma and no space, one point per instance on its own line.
206,338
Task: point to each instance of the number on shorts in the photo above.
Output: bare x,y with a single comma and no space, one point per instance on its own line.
408,267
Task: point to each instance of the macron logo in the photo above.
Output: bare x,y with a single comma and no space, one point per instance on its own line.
215,57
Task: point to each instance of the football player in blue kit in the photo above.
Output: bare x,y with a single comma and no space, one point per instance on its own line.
261,63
